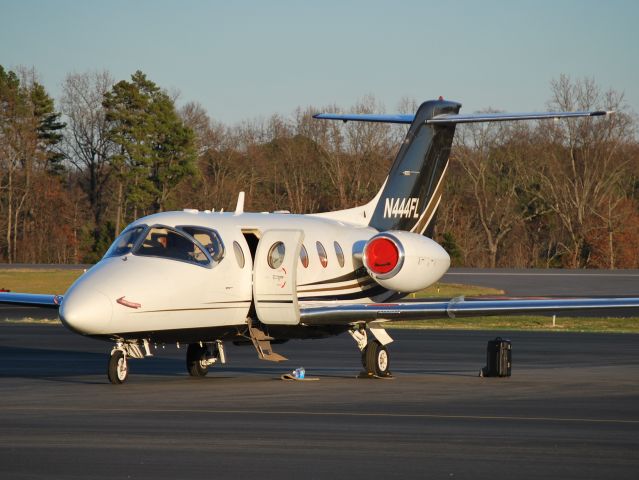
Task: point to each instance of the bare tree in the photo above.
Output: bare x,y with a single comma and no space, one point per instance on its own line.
355,156
86,144
582,169
220,162
490,158
370,148
28,136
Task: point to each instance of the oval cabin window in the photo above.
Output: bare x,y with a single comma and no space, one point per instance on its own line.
339,253
276,255
239,254
321,251
304,256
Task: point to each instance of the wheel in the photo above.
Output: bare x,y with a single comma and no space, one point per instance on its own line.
196,360
118,370
377,359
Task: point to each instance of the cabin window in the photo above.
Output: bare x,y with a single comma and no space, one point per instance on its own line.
239,254
276,255
125,242
304,256
321,251
209,239
166,243
339,253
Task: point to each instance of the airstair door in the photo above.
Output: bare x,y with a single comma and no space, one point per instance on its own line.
275,277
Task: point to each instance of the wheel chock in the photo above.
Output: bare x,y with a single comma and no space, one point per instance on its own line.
289,377
371,376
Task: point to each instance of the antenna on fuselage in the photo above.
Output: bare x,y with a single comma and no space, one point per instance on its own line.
239,208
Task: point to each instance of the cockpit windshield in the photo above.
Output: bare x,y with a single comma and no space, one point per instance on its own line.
167,243
125,242
209,239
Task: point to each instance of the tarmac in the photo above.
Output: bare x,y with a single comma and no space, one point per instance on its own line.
568,411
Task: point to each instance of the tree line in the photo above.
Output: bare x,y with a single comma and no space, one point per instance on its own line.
74,173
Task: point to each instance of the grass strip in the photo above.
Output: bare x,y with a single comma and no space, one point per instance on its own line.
525,323
38,281
451,290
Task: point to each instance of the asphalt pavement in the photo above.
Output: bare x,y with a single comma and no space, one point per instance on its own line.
568,411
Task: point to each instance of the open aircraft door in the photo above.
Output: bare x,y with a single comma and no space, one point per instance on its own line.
275,277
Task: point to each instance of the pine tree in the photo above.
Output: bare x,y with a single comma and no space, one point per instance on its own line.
157,151
29,135
49,126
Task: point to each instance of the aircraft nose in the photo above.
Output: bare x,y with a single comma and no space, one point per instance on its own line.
86,312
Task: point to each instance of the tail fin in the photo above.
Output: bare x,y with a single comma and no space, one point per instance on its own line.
409,198
411,194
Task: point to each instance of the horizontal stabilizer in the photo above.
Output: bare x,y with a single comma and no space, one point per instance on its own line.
506,117
449,119
367,117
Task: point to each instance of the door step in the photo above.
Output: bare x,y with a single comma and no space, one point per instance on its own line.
262,344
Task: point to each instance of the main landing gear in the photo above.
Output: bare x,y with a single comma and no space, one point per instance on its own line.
199,356
375,355
375,359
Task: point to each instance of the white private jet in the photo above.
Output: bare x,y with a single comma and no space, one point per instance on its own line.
202,278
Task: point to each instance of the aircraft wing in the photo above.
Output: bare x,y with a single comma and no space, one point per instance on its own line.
341,314
31,300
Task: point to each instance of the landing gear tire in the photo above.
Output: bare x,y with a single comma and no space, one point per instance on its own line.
196,360
118,370
377,359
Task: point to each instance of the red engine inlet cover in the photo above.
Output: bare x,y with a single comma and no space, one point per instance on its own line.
382,255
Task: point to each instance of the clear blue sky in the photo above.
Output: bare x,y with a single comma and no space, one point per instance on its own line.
246,59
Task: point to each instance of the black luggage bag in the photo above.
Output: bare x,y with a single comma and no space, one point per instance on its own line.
498,358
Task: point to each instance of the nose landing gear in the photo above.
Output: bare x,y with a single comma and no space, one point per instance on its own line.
118,369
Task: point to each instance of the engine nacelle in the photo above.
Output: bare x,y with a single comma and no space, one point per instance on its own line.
404,261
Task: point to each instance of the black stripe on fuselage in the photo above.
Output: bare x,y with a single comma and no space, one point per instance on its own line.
371,292
358,274
334,288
